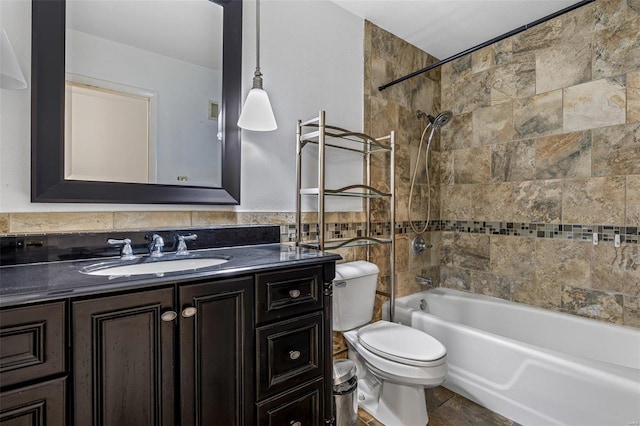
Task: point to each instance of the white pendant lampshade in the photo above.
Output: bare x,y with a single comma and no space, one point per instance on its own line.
257,113
11,76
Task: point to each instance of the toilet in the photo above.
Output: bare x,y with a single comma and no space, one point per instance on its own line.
394,362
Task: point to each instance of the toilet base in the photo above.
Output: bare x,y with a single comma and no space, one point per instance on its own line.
393,404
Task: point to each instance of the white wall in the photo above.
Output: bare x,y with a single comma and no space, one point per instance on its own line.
312,59
183,91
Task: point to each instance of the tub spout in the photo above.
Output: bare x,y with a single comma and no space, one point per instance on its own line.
426,281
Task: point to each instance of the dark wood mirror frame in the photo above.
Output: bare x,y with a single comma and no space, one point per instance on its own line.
47,122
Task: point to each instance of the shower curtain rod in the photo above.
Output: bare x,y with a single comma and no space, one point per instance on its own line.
486,43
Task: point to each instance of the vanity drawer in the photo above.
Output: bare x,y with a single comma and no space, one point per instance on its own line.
301,406
290,292
289,354
32,342
41,404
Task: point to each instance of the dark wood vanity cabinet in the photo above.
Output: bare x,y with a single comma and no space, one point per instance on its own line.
249,350
216,353
124,359
293,339
143,359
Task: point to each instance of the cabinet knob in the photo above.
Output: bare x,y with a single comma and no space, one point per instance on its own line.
168,316
295,423
294,294
294,354
189,312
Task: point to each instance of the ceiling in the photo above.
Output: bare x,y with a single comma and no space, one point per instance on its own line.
444,28
176,28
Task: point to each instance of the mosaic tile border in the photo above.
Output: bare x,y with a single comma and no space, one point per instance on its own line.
335,230
579,232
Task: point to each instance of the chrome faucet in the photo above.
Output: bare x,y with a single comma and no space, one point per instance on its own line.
182,246
156,246
127,252
425,281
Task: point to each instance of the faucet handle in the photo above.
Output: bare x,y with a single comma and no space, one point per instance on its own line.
182,246
127,252
156,245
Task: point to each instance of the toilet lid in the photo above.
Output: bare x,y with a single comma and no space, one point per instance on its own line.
400,343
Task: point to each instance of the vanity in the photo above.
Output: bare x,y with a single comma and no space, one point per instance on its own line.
243,342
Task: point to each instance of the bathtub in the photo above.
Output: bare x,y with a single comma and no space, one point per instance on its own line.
534,366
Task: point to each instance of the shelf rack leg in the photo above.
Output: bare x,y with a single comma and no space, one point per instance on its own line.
392,235
298,184
321,180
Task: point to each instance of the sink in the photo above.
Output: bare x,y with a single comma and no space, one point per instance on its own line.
156,266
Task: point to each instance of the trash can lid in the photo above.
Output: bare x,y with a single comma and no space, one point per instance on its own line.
343,371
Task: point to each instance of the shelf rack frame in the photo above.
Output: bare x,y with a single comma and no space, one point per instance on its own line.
316,131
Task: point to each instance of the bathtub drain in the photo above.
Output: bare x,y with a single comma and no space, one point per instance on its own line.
423,305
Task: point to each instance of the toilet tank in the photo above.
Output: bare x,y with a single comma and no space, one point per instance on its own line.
354,292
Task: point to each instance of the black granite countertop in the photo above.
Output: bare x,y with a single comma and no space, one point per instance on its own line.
37,282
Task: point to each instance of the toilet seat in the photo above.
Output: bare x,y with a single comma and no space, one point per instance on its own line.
427,373
401,344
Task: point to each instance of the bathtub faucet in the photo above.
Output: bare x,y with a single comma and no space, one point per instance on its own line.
424,281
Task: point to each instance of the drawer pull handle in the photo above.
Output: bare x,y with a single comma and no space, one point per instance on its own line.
189,312
294,354
294,423
168,316
294,294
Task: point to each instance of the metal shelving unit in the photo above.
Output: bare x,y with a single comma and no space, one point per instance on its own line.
316,132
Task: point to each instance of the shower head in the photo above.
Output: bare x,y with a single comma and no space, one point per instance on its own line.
439,120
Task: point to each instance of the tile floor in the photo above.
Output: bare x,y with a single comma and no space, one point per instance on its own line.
447,408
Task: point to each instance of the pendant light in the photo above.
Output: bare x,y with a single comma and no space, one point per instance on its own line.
257,113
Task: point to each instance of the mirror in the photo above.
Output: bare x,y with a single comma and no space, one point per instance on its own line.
84,102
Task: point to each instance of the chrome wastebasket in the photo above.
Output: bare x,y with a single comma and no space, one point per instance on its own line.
345,392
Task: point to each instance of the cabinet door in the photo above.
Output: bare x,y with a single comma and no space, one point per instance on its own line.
124,359
36,405
216,353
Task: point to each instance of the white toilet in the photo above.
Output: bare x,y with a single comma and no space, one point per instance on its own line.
395,362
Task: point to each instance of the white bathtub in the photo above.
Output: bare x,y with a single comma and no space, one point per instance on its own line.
534,366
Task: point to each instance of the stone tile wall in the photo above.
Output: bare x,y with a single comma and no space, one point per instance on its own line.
388,57
547,131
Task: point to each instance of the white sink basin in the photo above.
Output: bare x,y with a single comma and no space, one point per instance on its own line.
154,267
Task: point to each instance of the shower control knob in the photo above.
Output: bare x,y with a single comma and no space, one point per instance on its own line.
295,423
418,246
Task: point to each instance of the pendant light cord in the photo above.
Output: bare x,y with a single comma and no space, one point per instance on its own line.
257,75
258,35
